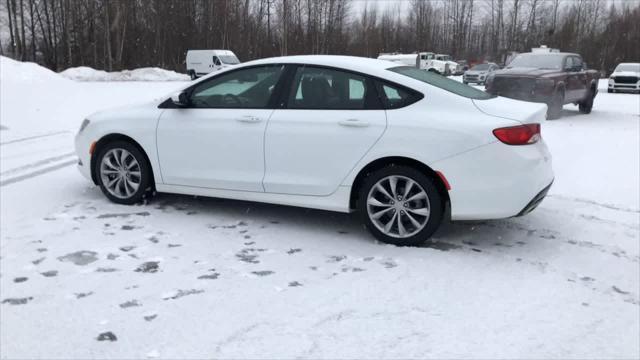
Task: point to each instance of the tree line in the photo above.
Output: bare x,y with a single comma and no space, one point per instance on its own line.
124,34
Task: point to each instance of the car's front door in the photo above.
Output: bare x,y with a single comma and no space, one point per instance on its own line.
330,119
217,141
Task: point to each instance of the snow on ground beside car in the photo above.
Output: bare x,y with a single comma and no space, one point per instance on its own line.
84,73
191,277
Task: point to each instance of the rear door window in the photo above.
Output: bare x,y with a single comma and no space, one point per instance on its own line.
331,89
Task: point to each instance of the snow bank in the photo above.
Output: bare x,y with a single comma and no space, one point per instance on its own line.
26,72
84,73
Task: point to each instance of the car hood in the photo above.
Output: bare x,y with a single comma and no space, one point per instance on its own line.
120,111
523,71
475,72
625,73
522,111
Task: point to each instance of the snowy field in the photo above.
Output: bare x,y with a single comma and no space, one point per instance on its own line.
185,277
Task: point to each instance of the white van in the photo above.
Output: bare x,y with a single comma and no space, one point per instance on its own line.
202,62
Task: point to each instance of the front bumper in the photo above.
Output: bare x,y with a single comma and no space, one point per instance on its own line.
82,146
624,86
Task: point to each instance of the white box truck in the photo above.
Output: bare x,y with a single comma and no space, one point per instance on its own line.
203,62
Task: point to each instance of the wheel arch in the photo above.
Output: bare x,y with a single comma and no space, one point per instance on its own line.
391,161
107,139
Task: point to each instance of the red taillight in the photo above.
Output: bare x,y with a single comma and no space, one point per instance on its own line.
519,135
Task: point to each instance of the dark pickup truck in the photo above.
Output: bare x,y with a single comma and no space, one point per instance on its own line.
551,78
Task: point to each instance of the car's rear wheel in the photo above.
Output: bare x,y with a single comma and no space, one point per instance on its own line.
400,205
554,110
123,172
586,105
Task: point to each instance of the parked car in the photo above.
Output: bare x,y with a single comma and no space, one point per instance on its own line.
626,77
398,144
203,62
478,74
551,78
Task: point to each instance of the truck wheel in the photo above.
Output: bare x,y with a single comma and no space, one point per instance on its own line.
193,75
554,107
609,91
587,104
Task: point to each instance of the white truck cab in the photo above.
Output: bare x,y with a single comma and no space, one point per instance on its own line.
442,64
203,62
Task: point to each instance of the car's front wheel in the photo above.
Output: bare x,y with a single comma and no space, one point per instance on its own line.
123,172
400,205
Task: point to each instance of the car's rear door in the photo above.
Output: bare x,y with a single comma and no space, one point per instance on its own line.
217,141
329,119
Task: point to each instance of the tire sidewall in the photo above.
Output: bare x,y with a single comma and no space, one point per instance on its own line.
435,200
145,169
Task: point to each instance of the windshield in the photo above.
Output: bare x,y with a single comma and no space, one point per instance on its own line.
442,82
443,57
480,67
628,67
229,59
539,61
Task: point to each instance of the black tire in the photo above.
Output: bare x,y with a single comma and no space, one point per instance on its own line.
435,204
554,110
466,83
193,75
586,105
609,91
145,185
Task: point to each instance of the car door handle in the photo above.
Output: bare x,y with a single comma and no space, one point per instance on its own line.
249,119
354,123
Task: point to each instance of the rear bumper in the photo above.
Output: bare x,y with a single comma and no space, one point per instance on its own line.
535,201
497,181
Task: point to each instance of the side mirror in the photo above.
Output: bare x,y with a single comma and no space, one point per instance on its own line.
180,99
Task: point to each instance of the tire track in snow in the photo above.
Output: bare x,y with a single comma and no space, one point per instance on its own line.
37,164
37,172
34,137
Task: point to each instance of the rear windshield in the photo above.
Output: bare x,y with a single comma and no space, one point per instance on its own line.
442,82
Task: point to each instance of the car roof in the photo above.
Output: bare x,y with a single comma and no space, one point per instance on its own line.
629,64
551,53
360,64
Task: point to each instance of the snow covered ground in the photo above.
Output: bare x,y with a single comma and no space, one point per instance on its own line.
185,277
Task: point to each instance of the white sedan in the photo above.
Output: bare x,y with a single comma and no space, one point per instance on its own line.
404,147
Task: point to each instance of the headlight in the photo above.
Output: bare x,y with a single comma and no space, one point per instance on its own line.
481,77
84,124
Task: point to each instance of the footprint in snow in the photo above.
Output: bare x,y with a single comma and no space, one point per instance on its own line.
293,251
150,317
83,295
181,293
50,273
130,303
127,248
106,269
38,261
294,284
80,258
263,273
20,279
17,301
148,267
107,336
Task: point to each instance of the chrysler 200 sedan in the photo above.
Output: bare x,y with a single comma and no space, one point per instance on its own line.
403,147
